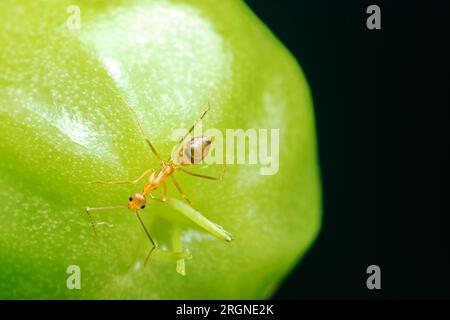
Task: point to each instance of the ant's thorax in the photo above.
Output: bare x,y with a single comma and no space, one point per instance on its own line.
158,177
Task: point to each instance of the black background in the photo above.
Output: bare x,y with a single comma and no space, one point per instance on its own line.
381,100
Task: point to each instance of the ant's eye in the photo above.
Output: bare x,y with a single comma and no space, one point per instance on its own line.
143,206
130,198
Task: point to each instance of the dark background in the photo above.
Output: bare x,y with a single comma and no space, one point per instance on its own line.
381,100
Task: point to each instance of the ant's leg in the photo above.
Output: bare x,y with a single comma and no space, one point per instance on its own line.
195,124
204,176
164,194
149,237
155,198
200,219
197,121
180,191
136,181
89,210
154,150
141,129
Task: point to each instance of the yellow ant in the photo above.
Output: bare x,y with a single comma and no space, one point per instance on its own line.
185,154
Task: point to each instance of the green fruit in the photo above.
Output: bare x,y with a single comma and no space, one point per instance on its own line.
63,124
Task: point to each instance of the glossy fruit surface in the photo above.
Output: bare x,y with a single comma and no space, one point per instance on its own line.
63,124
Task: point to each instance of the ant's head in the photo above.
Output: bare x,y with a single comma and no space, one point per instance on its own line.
137,202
